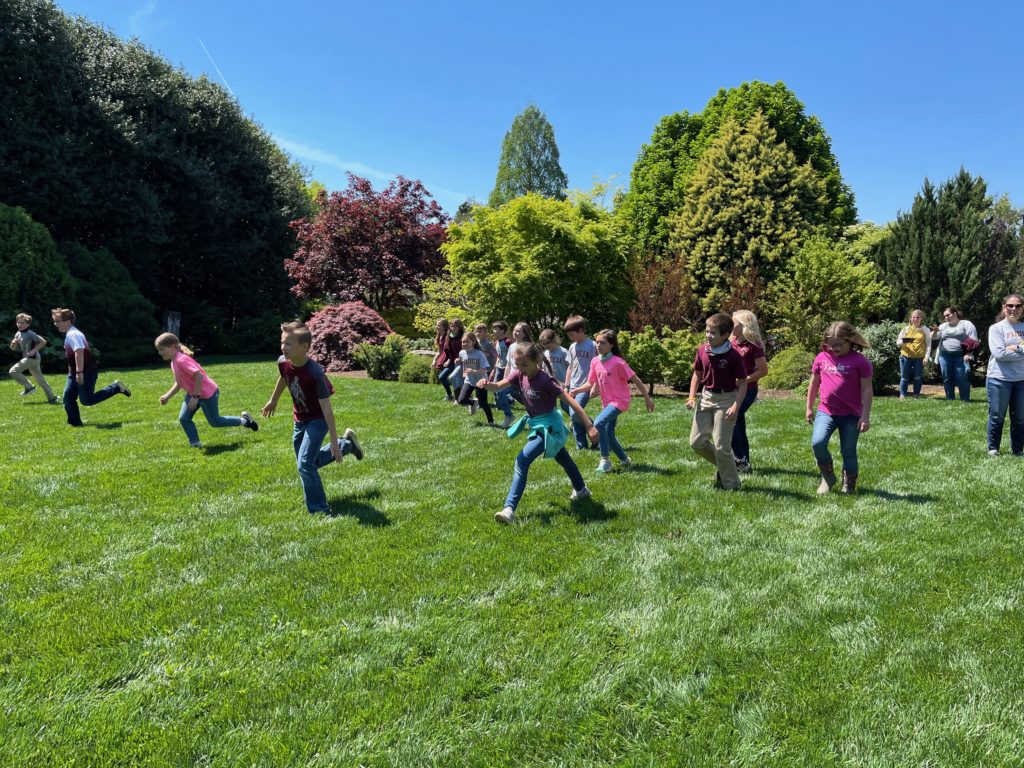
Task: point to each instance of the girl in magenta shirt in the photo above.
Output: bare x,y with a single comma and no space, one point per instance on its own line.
611,376
842,375
200,391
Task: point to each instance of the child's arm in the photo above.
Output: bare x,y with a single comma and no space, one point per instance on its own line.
271,406
80,364
169,393
332,429
741,395
37,347
691,401
581,414
494,386
197,387
635,380
867,397
812,395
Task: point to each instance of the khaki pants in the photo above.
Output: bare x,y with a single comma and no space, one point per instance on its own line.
30,364
711,435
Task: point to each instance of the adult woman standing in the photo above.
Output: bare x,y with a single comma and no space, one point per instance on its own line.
1004,381
915,343
951,336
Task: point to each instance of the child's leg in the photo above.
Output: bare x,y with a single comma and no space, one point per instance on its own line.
578,430
307,438
456,378
702,430
824,426
613,441
465,394
18,376
740,444
37,373
721,438
605,426
481,396
185,418
443,373
211,410
87,394
503,403
565,461
533,450
70,401
848,436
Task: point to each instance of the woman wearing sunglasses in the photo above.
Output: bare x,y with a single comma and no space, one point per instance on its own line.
1005,376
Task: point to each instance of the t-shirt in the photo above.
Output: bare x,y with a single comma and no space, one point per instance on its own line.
1004,365
510,356
185,369
502,362
474,365
75,339
612,377
749,352
308,385
540,391
719,372
581,353
951,337
840,382
558,359
917,347
487,347
26,341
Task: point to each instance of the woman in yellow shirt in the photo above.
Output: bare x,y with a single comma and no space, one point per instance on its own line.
914,342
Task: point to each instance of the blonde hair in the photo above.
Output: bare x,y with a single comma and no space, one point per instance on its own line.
27,319
63,314
170,340
843,331
524,329
751,328
471,337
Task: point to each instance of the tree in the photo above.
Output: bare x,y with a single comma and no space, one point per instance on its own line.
529,160
363,245
747,207
540,260
663,169
34,276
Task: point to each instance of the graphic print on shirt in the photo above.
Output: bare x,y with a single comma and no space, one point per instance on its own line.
297,394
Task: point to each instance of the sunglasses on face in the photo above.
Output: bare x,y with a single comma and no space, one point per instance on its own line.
1013,306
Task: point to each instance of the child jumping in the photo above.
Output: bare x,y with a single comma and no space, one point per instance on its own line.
30,344
314,418
582,351
548,432
746,339
82,370
475,367
843,375
200,391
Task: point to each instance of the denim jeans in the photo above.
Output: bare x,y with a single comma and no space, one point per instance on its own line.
533,450
605,425
502,401
310,456
211,410
578,430
740,444
84,392
444,378
1003,395
911,370
824,426
456,379
954,375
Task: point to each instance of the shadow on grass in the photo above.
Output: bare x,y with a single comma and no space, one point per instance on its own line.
910,498
107,425
768,471
215,450
585,512
356,506
779,493
647,469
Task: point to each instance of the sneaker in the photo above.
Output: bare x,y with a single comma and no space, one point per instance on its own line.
604,467
473,405
626,463
357,449
993,452
28,391
507,422
249,422
743,466
580,495
507,516
120,385
53,400
195,445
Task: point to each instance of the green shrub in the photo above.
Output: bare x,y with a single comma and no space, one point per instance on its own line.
680,349
788,369
427,343
416,369
382,361
884,354
401,320
34,276
256,335
645,354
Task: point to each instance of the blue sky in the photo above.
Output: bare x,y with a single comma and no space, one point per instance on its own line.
905,90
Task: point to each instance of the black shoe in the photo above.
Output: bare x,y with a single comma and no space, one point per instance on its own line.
743,466
249,422
357,449
28,391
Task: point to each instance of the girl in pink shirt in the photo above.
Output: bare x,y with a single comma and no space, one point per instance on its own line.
611,376
200,390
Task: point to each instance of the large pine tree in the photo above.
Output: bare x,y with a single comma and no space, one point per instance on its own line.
529,160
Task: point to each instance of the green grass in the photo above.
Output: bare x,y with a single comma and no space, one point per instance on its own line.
166,606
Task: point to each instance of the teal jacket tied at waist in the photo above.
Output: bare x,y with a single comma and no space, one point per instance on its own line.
549,426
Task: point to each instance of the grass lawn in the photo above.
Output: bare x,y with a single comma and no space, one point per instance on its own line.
166,606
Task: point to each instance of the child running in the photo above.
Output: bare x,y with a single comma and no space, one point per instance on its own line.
843,375
746,339
548,432
557,358
442,363
475,367
200,391
314,418
582,351
501,343
611,376
82,370
30,345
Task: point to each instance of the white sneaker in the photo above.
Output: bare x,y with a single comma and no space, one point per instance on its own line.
357,449
507,422
473,405
626,463
580,495
507,516
994,452
604,467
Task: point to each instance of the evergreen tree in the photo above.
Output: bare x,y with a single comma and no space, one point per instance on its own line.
748,205
529,160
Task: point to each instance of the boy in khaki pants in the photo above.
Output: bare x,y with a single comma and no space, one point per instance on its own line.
30,345
719,370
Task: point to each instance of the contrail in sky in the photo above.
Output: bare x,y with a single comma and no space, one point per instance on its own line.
216,67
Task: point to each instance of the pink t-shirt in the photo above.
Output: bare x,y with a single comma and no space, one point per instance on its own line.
840,382
612,377
185,369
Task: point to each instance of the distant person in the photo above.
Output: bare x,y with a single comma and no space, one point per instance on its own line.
957,338
501,344
30,345
556,359
746,339
914,342
442,362
582,352
475,367
1004,382
82,370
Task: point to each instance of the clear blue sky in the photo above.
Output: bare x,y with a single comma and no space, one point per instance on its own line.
428,89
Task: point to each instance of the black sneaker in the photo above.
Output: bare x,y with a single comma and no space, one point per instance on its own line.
120,385
743,466
249,422
28,391
357,449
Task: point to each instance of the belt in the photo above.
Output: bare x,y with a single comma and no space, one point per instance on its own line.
714,391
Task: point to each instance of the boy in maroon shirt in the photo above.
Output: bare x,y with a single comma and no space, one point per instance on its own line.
719,370
314,418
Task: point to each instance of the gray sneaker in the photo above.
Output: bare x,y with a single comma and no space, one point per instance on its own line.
507,516
28,391
580,495
357,449
507,422
120,385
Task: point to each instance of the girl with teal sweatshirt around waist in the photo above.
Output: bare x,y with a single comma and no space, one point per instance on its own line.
543,422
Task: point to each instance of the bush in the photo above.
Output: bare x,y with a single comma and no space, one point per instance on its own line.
884,354
416,369
427,343
382,361
338,329
680,349
34,276
645,354
401,320
788,369
255,335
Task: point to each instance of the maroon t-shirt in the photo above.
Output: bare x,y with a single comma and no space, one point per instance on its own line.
308,385
540,391
719,372
749,351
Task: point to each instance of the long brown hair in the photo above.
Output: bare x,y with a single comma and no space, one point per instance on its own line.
612,338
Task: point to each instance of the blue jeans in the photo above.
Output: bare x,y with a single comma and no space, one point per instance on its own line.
1003,395
740,444
502,401
84,392
824,426
211,410
954,375
605,425
444,378
532,451
309,456
578,430
456,379
912,370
